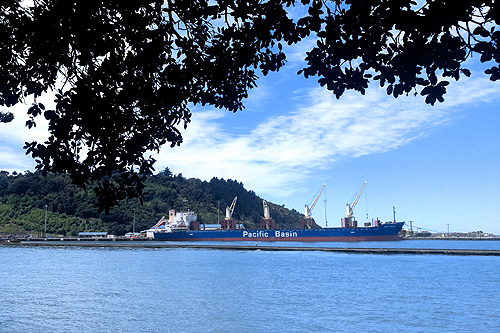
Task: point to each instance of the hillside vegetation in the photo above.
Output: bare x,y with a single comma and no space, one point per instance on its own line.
27,199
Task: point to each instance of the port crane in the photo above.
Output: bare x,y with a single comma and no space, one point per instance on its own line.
349,220
228,222
308,221
267,222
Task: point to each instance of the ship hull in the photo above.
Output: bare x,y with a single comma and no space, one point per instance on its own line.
385,232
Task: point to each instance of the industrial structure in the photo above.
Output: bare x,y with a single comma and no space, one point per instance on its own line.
308,221
349,221
228,222
267,222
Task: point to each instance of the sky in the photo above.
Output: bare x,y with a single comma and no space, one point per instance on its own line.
438,166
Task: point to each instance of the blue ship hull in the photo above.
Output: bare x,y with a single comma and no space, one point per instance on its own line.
384,232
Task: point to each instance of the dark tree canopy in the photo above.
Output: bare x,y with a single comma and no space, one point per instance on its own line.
126,72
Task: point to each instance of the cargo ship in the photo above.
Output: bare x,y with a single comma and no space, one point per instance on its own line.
185,227
383,232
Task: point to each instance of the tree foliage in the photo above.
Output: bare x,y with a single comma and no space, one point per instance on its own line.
401,44
126,72
25,198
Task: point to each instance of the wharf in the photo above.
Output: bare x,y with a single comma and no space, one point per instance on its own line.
258,247
494,238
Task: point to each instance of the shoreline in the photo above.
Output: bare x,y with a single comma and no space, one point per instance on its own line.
454,238
256,247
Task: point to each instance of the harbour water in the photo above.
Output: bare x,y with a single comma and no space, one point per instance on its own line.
100,289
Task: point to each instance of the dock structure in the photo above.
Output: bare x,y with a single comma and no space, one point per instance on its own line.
258,247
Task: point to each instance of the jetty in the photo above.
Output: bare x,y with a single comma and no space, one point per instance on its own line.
256,247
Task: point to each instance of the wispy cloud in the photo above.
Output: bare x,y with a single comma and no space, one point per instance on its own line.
281,151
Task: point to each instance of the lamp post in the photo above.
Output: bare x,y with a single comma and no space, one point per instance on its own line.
45,228
133,225
218,204
326,221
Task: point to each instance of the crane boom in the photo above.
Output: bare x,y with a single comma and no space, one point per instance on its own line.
230,210
308,209
350,208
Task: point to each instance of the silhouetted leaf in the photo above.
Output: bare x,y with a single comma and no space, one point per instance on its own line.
131,69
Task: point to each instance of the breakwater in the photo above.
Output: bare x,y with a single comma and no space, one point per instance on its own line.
258,247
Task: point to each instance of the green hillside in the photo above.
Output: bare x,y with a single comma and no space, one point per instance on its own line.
27,199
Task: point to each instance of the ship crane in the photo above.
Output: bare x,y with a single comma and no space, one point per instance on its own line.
267,215
228,222
267,222
308,221
349,221
230,210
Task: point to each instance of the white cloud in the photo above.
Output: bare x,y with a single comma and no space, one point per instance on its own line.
12,161
13,135
285,150
16,131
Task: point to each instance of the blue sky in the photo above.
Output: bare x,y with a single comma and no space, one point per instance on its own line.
436,165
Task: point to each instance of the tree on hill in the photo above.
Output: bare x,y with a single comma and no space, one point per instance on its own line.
26,198
126,72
